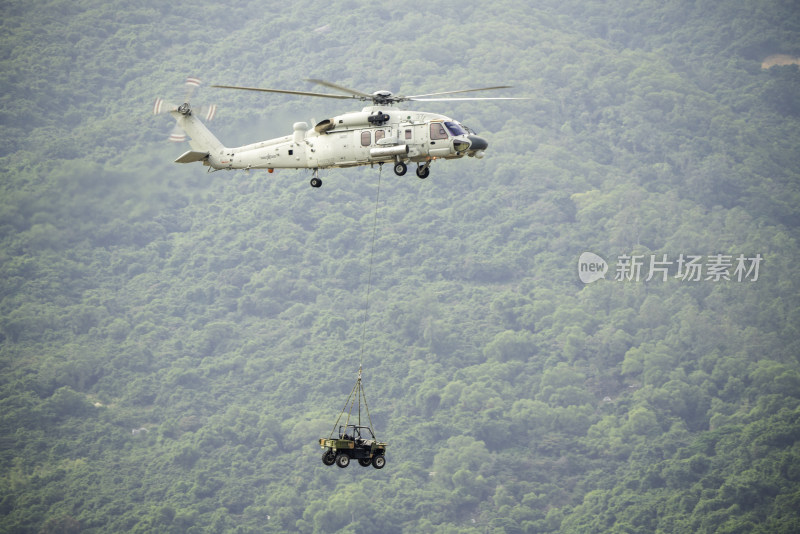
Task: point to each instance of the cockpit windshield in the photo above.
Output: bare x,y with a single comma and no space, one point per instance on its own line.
454,128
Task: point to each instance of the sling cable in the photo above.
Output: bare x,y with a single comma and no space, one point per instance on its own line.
356,441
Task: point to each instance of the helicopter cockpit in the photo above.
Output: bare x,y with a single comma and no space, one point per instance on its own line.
455,128
440,130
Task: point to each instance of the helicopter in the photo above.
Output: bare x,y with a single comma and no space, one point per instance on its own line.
377,134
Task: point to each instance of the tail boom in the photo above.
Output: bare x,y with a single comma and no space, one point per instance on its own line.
205,146
290,152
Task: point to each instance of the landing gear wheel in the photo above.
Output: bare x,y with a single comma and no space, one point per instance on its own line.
400,168
364,462
342,460
423,171
316,182
328,458
378,462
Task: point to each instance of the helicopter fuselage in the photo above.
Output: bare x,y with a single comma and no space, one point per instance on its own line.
374,135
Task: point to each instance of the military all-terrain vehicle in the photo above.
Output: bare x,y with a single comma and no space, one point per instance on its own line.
354,443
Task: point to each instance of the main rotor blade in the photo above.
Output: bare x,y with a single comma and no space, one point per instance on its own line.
339,87
473,98
283,91
461,91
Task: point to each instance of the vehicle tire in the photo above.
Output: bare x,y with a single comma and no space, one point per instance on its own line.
342,460
316,182
378,461
423,172
400,168
328,457
364,462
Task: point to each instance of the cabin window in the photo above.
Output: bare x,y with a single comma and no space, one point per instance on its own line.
379,134
366,138
408,134
438,131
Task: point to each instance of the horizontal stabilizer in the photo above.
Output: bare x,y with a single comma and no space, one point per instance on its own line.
192,156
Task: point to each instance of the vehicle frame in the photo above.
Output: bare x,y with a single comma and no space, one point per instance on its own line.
355,442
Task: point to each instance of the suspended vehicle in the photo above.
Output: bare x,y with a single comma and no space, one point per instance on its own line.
355,441
377,134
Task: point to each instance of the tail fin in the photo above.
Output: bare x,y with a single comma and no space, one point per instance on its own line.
201,138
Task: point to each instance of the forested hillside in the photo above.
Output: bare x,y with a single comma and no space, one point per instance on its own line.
173,342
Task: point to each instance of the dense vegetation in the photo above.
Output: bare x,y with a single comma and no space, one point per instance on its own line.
173,343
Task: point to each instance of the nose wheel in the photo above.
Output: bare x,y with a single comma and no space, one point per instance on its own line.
423,171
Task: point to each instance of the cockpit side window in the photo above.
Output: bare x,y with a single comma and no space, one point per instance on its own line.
438,131
455,128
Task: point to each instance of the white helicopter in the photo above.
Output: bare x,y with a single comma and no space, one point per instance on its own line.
378,134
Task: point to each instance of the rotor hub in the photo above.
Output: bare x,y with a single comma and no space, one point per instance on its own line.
383,97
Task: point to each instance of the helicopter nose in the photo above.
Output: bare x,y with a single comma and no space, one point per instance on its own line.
477,143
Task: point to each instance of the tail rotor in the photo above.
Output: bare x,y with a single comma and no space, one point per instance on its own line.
206,112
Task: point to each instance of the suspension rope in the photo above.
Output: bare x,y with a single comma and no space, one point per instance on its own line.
363,394
354,390
357,393
369,279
